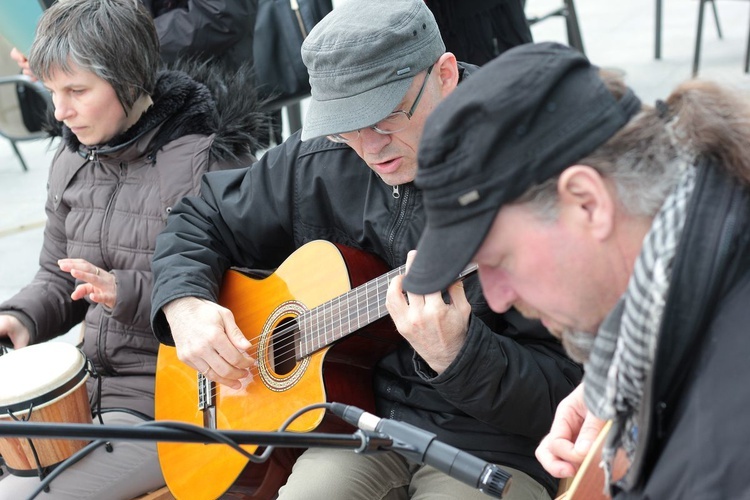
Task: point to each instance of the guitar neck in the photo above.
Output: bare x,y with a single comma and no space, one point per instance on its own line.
347,313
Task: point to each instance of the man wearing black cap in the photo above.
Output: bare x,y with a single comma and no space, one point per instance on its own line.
624,229
483,382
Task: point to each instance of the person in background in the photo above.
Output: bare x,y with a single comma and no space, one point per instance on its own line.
218,30
624,228
483,382
135,140
476,31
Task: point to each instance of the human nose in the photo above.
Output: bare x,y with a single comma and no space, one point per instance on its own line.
497,290
371,141
62,108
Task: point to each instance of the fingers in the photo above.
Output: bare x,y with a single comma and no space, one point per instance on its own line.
81,268
85,271
22,62
82,291
233,331
17,56
214,366
99,285
208,339
554,455
11,327
590,430
571,435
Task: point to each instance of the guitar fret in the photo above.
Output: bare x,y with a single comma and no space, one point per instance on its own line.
350,311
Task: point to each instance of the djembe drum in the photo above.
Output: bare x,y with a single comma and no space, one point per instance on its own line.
42,383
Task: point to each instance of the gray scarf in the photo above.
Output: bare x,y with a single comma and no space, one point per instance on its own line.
623,352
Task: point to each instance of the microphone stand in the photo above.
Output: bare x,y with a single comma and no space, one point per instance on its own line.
373,434
165,430
159,431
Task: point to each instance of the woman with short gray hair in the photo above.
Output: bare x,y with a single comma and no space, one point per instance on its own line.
135,140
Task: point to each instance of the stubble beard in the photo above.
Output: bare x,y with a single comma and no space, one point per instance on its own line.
578,345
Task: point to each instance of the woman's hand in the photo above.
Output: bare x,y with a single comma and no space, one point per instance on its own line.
13,329
99,285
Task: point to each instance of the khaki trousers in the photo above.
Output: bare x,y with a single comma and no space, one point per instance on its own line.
325,474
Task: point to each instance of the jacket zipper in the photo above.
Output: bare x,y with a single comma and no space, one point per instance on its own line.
101,351
403,203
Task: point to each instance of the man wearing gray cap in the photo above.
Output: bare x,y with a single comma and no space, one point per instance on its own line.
624,228
485,383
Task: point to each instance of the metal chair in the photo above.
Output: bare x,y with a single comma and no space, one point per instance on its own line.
659,22
568,11
699,36
12,126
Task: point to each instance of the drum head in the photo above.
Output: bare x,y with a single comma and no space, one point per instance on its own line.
36,371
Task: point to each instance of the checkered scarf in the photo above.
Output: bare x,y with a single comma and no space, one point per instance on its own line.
623,352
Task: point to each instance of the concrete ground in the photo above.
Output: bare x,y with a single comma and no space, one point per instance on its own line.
616,35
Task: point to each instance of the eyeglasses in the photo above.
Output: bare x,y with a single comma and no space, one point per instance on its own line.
395,122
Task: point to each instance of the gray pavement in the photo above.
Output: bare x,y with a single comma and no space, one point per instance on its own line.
618,35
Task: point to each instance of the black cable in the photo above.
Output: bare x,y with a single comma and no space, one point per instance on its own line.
73,459
210,434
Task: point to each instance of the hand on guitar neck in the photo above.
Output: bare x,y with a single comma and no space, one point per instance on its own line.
435,329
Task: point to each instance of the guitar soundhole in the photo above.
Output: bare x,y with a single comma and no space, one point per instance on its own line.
284,340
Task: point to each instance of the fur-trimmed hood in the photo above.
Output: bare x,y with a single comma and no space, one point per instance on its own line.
194,99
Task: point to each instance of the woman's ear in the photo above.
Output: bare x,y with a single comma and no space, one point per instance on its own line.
586,201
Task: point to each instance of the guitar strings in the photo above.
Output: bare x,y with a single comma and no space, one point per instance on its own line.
338,324
368,304
372,289
319,330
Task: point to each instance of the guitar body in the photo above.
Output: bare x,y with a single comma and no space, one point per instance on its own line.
266,310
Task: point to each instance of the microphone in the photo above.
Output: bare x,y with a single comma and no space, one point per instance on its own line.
421,446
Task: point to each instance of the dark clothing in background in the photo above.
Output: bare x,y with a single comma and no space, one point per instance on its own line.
221,30
479,30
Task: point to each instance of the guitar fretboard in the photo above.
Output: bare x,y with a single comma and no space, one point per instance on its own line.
349,312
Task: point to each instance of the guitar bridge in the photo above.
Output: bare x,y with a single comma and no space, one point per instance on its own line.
207,401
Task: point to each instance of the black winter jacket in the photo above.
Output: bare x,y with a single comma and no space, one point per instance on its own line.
496,399
222,30
693,439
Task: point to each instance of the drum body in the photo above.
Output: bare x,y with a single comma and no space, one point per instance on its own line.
42,383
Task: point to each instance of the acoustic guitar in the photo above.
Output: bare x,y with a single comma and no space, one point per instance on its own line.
317,325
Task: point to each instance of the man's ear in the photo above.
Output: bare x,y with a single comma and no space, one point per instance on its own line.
447,71
586,201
